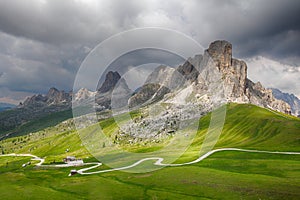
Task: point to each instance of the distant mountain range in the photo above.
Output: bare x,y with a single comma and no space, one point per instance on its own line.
41,105
211,78
291,99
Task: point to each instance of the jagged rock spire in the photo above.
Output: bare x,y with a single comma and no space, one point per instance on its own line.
111,80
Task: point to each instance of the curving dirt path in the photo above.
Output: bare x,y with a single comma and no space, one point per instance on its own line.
159,161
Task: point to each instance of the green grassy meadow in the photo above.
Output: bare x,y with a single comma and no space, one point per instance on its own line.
223,175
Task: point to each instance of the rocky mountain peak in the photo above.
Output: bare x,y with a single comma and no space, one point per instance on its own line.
52,92
215,74
218,74
218,57
53,97
188,70
221,52
111,79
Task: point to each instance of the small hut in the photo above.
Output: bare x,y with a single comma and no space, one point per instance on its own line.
69,159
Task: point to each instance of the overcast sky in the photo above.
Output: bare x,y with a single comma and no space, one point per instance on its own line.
43,42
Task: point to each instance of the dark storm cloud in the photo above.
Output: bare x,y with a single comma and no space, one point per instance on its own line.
43,42
33,66
253,26
67,21
268,27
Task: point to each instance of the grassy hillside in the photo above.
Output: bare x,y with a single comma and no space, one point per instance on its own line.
41,120
224,175
251,127
35,125
246,126
53,143
44,122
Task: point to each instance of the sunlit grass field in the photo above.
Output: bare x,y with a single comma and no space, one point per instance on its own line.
223,175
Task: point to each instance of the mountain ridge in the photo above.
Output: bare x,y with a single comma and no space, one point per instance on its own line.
291,99
201,71
215,75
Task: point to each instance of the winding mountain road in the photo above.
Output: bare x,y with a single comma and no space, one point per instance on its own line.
159,161
26,155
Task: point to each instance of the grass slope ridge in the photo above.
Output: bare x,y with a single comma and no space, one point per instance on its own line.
250,127
253,127
36,125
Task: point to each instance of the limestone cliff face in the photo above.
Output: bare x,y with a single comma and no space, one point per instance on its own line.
221,52
234,71
237,87
261,96
220,76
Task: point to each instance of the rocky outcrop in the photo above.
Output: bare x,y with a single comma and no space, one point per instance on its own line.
111,80
34,101
215,74
221,52
36,107
160,82
53,97
291,99
114,92
149,93
261,96
120,95
236,86
188,70
203,80
234,71
167,77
